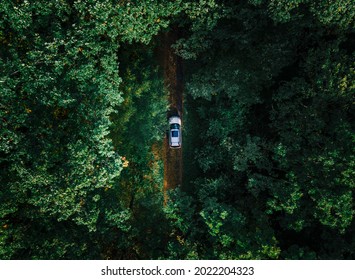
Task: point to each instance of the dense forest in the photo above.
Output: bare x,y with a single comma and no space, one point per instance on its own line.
268,149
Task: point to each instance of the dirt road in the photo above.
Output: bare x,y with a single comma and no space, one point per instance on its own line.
174,83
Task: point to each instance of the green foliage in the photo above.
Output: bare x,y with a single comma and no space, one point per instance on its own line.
180,213
274,102
312,120
140,122
270,130
200,17
138,21
339,13
60,85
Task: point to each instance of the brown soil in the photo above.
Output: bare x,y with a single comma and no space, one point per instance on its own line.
174,84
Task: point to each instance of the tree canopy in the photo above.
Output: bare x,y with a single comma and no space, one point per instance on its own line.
268,130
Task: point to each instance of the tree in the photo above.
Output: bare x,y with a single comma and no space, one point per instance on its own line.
274,100
60,85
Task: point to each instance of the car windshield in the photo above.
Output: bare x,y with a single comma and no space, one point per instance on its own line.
174,134
174,126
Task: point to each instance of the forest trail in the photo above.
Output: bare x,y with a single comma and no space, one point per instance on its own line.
173,82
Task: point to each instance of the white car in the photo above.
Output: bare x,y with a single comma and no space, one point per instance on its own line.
175,132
